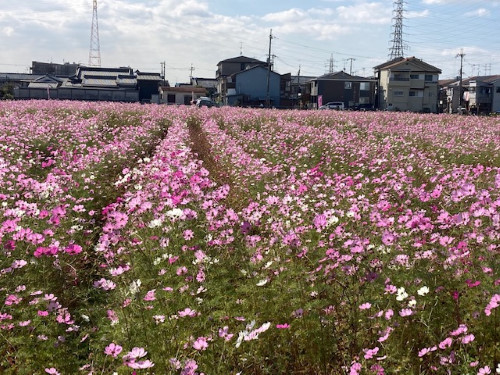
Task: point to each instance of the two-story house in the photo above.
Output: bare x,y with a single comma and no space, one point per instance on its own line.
479,94
251,88
408,84
354,91
227,68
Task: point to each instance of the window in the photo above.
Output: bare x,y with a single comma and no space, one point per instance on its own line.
414,76
417,94
364,86
347,85
429,78
171,98
498,90
399,93
401,77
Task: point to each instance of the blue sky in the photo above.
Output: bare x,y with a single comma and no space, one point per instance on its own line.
141,34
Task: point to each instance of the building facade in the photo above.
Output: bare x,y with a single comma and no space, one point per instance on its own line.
250,88
354,91
408,84
227,68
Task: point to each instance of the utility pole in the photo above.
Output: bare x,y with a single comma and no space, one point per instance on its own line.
268,99
351,59
191,73
461,55
163,71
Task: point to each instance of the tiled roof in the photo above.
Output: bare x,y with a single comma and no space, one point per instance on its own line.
241,59
401,60
42,85
186,89
342,76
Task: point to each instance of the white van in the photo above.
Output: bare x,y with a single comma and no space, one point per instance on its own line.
339,106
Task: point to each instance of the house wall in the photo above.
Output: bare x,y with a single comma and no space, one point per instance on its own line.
228,68
408,90
78,94
495,105
180,98
147,88
348,92
253,83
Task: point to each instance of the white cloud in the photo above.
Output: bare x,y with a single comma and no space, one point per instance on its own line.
367,13
7,31
413,14
481,12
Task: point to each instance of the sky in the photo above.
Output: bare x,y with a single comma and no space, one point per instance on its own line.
306,35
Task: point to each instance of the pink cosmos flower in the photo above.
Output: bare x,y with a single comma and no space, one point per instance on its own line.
187,312
446,343
283,326
52,371
73,249
365,306
484,371
200,344
468,339
406,312
150,295
188,234
493,304
138,365
355,368
369,353
113,350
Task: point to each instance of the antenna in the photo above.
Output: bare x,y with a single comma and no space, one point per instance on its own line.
397,42
95,49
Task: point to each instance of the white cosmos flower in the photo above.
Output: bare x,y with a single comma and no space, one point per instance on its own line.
401,294
262,282
423,291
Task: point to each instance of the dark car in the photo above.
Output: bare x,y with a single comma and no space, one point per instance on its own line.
205,102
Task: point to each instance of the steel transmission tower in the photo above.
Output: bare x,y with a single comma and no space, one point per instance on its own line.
397,42
95,49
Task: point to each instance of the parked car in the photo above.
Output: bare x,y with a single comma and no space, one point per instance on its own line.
333,105
205,102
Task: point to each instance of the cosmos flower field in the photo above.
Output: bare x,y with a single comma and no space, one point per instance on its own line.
177,240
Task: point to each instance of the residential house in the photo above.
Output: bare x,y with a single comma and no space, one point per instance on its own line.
147,84
251,87
407,84
209,84
300,92
54,69
479,94
227,68
180,95
89,83
354,91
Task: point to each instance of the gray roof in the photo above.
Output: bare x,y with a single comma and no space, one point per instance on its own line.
241,59
99,82
145,76
43,85
401,60
341,76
